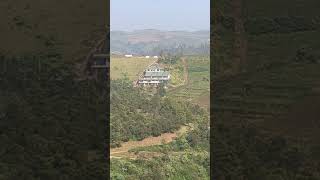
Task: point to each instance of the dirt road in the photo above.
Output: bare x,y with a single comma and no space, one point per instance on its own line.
123,151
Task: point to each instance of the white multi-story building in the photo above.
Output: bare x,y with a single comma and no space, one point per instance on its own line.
154,75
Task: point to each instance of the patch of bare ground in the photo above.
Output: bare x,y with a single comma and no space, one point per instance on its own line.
123,151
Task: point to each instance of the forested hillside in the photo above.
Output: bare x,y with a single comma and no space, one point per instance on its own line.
266,57
51,124
49,121
68,27
135,114
273,34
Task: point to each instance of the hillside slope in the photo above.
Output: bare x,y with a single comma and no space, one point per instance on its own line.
152,42
71,27
265,119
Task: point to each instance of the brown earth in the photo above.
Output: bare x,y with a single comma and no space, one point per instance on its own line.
123,151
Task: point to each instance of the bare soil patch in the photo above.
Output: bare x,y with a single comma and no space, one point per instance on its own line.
149,141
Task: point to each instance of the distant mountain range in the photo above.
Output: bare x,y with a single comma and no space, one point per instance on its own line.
153,42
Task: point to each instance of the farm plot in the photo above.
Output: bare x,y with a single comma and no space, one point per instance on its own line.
198,88
176,72
128,67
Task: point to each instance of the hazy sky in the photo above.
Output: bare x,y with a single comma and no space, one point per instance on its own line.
190,15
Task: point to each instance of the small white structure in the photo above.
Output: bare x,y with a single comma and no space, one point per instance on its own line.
155,56
147,57
128,55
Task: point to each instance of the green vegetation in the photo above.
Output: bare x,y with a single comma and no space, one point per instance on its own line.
169,59
136,115
249,153
198,86
49,121
46,26
175,66
176,74
191,165
185,158
273,34
262,129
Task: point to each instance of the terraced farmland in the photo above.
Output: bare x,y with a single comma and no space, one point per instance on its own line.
176,73
267,98
197,88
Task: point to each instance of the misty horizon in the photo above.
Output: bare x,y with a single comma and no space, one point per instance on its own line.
164,15
160,30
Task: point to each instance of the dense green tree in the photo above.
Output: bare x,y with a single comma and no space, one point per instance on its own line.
48,118
136,115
